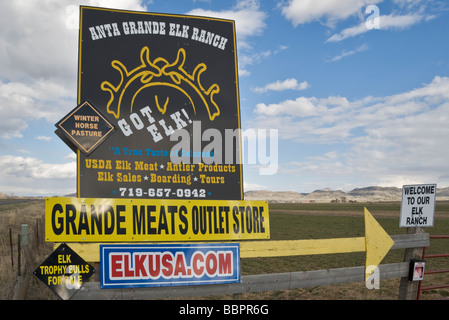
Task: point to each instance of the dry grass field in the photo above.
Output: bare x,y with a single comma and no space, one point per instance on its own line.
288,221
326,220
12,216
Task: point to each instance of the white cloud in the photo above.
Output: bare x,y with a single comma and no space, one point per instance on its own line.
386,22
31,176
301,107
387,140
38,63
34,168
288,84
249,19
254,58
21,102
43,138
333,118
349,32
70,157
304,107
408,13
38,39
301,12
253,186
249,22
38,59
345,53
247,59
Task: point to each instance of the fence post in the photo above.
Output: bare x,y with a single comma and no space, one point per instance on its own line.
409,289
19,240
24,234
21,286
11,247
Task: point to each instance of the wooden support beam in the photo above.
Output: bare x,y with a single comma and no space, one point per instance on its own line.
252,283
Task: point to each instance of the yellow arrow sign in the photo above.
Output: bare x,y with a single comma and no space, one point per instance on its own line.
376,243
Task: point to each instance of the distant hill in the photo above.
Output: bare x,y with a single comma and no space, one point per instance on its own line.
372,194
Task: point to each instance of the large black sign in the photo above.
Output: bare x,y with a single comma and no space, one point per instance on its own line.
169,85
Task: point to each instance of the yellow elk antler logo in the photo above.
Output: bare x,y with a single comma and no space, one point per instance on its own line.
160,72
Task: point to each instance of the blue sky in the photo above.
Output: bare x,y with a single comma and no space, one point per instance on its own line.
354,106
